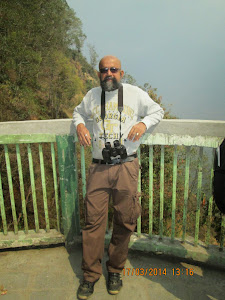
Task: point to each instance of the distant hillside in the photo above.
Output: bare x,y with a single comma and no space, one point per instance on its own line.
41,77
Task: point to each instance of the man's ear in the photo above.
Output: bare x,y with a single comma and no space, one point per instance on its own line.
99,74
121,73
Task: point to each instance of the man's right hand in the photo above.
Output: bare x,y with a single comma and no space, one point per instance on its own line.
83,135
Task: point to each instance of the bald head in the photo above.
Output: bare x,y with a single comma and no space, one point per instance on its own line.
110,59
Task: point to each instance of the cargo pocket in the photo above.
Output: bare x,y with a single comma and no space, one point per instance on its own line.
128,209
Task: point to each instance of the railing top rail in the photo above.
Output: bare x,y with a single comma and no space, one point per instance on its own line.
180,130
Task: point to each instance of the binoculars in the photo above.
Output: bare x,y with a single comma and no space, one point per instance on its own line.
118,150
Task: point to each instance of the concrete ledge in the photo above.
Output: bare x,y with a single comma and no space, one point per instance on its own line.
12,240
187,250
177,127
211,256
185,140
144,243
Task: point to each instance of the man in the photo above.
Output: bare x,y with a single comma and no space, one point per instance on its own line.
116,110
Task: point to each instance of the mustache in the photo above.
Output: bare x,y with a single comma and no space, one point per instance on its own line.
107,78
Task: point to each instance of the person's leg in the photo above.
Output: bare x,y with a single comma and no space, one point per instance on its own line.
126,211
96,213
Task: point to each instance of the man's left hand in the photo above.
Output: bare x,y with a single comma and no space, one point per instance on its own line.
136,132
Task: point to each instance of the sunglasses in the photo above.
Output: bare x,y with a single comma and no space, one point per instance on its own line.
112,70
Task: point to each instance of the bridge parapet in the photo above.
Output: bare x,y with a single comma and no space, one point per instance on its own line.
59,136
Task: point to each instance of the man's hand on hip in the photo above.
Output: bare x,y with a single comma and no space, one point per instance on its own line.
83,135
136,132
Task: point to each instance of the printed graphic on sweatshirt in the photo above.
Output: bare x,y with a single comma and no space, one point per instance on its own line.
112,119
112,112
111,130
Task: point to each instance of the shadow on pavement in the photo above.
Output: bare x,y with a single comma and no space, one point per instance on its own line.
155,277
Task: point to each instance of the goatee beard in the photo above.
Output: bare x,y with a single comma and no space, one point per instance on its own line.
109,85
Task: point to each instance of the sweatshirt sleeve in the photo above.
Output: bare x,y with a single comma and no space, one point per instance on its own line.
82,112
149,110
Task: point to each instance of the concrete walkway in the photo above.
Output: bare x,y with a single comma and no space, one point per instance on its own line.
53,273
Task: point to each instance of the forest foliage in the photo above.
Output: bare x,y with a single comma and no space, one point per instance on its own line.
42,71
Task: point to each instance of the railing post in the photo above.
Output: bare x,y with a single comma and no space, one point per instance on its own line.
68,187
139,190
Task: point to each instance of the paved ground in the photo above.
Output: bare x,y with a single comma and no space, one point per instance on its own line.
53,273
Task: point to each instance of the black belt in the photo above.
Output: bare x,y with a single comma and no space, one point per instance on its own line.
114,161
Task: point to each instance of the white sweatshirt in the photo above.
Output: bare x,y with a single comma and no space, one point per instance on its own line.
137,107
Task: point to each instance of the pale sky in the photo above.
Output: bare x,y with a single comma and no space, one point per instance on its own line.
178,46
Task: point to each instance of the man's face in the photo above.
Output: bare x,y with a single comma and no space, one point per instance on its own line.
110,73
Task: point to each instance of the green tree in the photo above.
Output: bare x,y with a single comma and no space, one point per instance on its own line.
127,78
31,33
93,56
60,83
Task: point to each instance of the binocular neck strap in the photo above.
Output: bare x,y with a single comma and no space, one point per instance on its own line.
120,106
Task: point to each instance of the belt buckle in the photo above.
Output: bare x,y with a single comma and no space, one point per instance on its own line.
116,161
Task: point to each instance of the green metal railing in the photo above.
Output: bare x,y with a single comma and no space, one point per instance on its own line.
65,172
68,221
174,191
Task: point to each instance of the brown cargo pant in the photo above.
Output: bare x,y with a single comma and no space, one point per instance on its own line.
120,181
